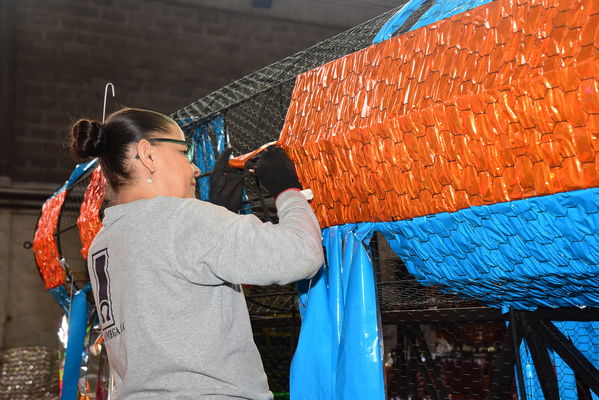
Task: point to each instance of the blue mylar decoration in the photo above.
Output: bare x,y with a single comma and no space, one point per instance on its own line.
585,336
537,252
441,9
79,170
62,297
397,20
205,157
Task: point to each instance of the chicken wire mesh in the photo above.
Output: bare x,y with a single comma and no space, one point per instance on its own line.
276,344
436,345
397,289
441,343
440,360
283,72
67,233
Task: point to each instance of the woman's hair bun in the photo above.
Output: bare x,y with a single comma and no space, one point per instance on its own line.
88,138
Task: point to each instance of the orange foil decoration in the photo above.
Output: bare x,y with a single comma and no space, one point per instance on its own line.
89,222
495,104
44,243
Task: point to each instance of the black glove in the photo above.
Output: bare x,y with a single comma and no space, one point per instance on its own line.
274,170
226,183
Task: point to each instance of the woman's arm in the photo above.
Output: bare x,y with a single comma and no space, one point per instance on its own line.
215,243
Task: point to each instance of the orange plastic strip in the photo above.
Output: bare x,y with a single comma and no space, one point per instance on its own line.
495,104
44,243
240,161
89,222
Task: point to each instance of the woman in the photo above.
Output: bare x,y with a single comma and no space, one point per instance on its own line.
166,268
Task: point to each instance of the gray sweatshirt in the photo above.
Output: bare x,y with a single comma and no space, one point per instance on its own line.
166,275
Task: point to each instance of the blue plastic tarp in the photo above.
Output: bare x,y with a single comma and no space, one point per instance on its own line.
339,352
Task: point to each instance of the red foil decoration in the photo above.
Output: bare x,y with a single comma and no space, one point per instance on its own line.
44,243
89,222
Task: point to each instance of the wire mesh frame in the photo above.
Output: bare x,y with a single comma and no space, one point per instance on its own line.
254,106
67,233
440,360
409,309
436,345
398,290
285,70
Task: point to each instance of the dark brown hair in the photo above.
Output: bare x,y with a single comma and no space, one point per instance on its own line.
110,141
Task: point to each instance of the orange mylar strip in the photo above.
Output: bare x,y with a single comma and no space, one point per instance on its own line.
240,161
89,222
44,243
495,104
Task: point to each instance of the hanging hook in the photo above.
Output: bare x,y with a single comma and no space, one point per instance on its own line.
105,96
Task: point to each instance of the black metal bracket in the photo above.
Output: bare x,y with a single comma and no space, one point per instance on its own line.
416,354
541,360
541,335
503,369
563,346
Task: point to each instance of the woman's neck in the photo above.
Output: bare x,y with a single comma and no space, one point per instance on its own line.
133,193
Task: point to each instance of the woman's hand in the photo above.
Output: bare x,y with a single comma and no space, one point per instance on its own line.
275,170
226,183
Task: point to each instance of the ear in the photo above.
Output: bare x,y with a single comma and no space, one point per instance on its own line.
147,154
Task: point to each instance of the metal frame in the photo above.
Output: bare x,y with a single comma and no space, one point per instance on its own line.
541,335
534,327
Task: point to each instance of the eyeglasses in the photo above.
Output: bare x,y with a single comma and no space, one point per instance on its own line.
190,145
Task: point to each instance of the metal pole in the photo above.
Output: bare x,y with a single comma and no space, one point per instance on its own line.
515,338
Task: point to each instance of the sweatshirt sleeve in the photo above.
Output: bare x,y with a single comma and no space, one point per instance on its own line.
213,242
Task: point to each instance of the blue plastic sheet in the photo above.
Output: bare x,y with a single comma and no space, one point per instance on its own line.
339,350
441,9
74,352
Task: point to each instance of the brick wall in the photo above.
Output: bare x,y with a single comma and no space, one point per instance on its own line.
159,55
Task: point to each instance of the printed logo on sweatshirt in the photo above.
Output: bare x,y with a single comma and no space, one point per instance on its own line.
102,279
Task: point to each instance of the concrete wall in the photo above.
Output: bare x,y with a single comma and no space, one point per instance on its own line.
28,313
